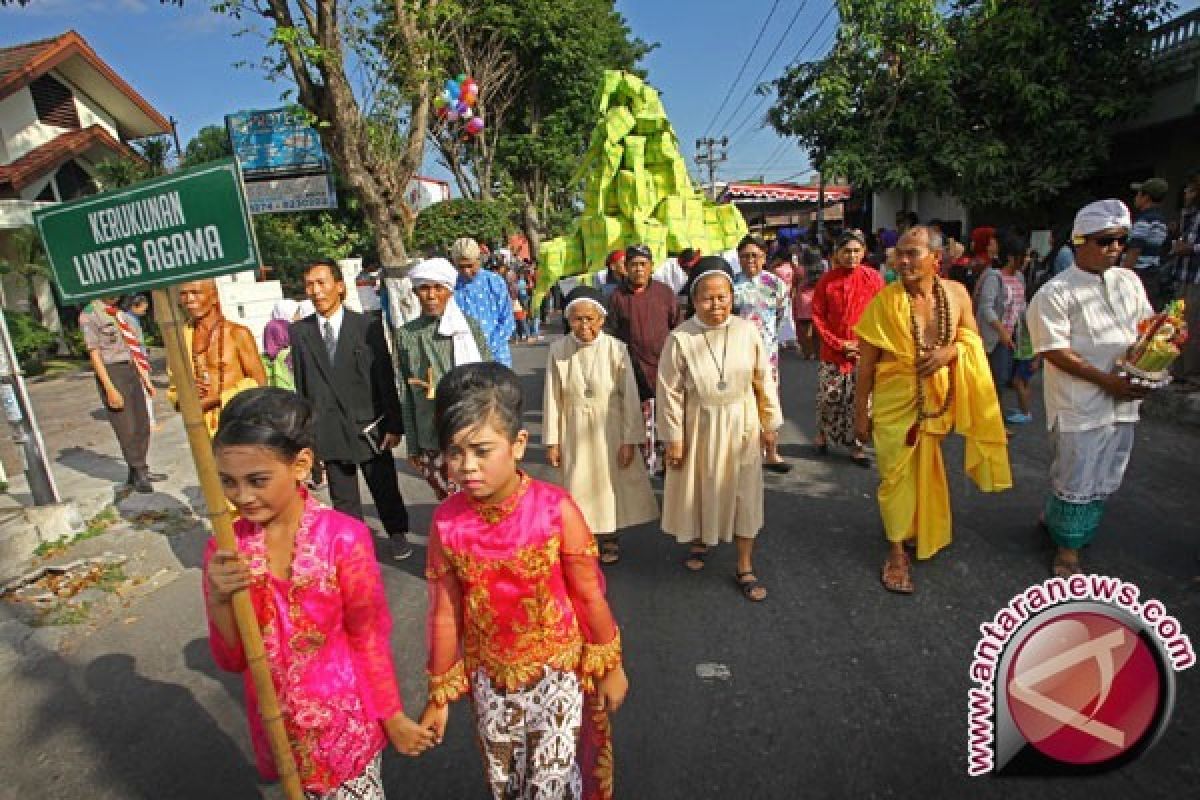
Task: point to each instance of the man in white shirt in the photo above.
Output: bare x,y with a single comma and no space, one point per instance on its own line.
1083,320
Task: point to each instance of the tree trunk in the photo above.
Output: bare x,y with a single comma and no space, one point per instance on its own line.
530,224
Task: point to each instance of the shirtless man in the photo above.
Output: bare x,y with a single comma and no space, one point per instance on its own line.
922,362
225,357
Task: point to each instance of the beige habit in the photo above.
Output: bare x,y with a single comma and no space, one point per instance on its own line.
717,493
589,431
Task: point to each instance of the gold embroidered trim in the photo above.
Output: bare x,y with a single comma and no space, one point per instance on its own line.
449,686
599,660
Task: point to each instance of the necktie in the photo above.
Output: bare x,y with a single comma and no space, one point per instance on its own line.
330,340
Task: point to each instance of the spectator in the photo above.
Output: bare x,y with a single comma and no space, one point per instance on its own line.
1143,255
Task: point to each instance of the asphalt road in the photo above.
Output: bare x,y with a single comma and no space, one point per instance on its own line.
834,687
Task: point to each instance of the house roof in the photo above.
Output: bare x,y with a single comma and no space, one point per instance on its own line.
58,151
75,60
783,192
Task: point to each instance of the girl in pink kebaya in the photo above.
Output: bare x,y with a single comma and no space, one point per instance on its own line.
517,615
318,597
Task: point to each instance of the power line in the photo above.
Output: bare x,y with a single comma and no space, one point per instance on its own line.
767,63
763,99
742,69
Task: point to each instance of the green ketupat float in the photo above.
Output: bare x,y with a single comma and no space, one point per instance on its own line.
636,190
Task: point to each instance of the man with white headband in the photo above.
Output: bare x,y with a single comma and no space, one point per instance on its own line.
1082,321
441,339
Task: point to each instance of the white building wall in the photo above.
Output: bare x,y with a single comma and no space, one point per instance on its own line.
20,125
927,205
90,112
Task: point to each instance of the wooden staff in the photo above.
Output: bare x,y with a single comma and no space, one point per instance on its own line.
179,361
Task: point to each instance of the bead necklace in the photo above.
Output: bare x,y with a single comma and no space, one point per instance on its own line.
721,384
199,368
945,334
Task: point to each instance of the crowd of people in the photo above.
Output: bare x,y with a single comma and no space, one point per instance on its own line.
668,374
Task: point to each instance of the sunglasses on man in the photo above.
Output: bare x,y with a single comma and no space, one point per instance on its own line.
1110,239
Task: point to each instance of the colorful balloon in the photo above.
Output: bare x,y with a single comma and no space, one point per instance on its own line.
475,126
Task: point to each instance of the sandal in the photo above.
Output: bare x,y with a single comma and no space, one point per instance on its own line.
610,551
778,467
896,575
695,558
822,448
752,588
861,460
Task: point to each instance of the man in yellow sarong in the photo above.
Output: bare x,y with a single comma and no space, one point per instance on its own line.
922,373
224,354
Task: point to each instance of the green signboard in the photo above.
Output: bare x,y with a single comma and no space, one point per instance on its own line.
185,226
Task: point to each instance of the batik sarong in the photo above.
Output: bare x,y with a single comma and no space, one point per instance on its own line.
532,738
432,467
835,403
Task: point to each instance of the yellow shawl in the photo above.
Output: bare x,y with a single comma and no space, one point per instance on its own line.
913,495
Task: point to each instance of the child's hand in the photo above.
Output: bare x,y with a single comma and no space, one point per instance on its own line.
434,719
408,737
553,455
611,690
625,455
227,573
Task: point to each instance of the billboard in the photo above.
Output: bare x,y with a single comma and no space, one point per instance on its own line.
304,193
275,142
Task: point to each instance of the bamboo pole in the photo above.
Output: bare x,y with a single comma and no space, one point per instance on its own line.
166,312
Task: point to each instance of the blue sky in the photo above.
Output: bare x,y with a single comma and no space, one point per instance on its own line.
183,61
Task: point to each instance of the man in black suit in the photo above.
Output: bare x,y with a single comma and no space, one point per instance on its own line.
344,370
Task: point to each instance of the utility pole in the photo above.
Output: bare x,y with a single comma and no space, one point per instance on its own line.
710,152
17,409
175,135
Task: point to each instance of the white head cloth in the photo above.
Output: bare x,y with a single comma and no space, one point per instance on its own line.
1101,215
285,308
589,300
453,322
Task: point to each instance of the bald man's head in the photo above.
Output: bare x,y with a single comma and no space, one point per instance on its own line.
198,297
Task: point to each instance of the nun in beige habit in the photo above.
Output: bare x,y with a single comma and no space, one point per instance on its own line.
718,408
593,424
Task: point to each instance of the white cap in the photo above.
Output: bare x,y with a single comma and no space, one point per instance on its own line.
1099,216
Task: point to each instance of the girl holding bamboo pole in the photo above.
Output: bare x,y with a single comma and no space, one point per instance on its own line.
317,594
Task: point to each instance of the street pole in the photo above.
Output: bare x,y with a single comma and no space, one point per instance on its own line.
19,412
166,312
175,136
708,154
820,205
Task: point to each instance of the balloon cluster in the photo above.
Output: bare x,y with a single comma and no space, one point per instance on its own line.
457,102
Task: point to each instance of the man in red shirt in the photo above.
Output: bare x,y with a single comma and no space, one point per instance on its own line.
841,296
641,313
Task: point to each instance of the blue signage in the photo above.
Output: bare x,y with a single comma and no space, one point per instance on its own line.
275,142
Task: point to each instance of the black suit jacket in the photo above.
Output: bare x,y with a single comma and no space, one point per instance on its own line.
346,395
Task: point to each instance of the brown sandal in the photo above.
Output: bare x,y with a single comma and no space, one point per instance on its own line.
695,558
752,588
896,574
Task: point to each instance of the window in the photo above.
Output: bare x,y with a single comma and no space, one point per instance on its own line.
54,103
73,182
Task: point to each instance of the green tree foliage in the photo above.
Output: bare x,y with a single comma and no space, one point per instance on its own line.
209,144
31,340
562,48
288,243
27,260
878,106
439,225
1000,102
1039,86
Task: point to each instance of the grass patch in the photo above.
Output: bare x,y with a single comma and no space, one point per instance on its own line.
97,526
55,367
64,615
